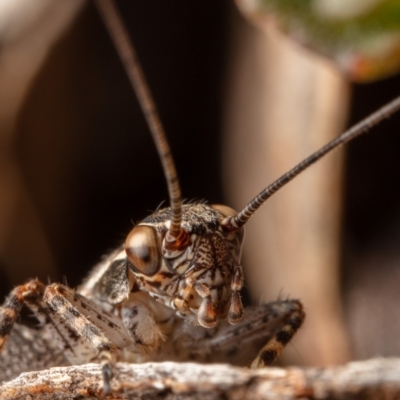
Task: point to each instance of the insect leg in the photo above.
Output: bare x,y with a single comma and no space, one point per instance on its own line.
9,312
237,344
107,322
271,350
55,296
54,342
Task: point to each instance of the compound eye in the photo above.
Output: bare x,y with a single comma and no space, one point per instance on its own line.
143,250
224,210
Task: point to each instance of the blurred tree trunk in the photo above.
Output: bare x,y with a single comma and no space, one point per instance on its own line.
28,31
285,103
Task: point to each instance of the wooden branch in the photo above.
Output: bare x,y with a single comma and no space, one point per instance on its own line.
376,378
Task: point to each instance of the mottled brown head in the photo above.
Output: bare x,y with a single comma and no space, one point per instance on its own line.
201,276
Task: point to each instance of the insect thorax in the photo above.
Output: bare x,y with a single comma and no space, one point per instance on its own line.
204,268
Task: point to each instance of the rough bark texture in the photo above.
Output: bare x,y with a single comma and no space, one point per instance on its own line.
376,378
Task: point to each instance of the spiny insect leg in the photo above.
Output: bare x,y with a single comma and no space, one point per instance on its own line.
108,323
134,328
54,297
273,348
54,333
9,312
237,344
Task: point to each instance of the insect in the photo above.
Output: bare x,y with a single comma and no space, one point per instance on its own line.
177,276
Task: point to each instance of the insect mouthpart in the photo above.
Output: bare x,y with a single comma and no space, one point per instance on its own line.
201,277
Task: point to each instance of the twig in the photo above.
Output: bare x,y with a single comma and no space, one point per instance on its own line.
376,378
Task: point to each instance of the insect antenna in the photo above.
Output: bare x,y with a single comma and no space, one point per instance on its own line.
236,222
123,44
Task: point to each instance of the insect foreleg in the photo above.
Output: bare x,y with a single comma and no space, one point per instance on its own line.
54,334
58,296
268,327
282,336
55,297
32,292
53,327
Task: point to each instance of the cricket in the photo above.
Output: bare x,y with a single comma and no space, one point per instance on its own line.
172,290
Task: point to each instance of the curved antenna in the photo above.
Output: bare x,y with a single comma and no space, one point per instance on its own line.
127,53
357,130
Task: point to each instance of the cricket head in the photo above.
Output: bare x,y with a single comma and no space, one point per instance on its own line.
200,275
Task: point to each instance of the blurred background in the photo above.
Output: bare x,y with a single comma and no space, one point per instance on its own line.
242,101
